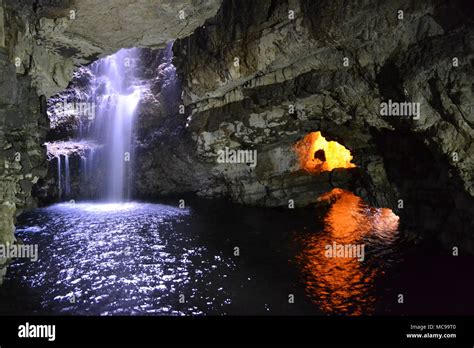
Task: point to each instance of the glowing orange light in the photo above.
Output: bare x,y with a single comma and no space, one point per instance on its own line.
345,285
316,154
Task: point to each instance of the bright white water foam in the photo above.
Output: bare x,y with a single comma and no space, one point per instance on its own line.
116,97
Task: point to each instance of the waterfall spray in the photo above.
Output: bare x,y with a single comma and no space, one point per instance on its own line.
117,99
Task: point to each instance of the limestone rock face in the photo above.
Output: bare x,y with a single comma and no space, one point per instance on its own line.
90,28
259,76
41,43
280,71
333,64
23,126
52,38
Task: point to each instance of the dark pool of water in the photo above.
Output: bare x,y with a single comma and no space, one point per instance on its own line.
155,259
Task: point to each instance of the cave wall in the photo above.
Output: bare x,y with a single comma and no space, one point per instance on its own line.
243,66
53,37
23,124
298,62
41,43
239,85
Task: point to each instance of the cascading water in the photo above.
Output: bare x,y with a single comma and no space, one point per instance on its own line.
105,110
100,106
59,175
103,258
64,179
116,98
67,176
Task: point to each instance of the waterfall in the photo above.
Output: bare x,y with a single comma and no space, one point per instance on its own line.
59,176
90,166
119,149
115,94
83,168
104,100
64,181
67,177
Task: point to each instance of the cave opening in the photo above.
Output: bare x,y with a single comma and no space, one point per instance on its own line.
316,154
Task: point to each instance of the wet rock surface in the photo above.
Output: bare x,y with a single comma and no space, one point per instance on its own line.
41,43
259,76
333,64
23,126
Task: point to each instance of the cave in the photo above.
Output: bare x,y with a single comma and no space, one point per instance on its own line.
316,154
194,158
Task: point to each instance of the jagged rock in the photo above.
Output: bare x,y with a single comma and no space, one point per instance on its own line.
260,75
273,62
53,38
44,41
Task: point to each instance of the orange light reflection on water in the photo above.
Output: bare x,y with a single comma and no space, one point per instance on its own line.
345,285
